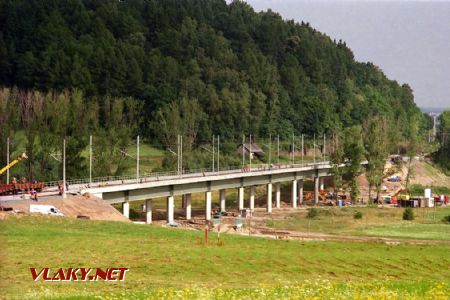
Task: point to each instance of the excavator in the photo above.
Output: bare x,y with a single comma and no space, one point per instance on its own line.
400,195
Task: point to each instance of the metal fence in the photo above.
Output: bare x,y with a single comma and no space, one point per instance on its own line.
157,176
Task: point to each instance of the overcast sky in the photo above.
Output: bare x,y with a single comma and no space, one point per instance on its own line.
409,40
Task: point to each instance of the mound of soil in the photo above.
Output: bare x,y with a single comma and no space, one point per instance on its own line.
426,174
92,207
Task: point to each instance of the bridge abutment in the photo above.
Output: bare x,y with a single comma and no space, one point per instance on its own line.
188,206
316,190
294,193
208,205
148,211
126,209
170,209
222,200
278,195
300,191
252,198
241,198
269,198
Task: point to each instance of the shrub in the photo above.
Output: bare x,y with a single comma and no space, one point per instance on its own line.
135,214
408,214
357,215
416,189
446,219
312,213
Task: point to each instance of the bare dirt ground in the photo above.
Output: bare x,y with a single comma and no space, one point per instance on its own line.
426,174
256,226
96,209
422,172
73,206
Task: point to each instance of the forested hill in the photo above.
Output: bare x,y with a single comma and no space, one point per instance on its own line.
227,67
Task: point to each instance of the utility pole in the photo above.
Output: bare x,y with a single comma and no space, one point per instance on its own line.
293,148
181,154
278,150
64,169
7,159
213,153
250,154
270,149
243,152
218,153
90,159
314,143
178,154
137,159
303,151
324,146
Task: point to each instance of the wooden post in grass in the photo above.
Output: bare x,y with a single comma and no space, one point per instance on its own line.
367,213
423,214
206,234
250,224
434,212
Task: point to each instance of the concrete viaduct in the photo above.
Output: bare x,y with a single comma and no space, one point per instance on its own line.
186,184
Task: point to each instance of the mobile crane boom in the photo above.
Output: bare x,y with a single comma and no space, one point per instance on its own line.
11,164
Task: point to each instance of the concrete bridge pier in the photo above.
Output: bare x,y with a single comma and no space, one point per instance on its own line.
277,195
241,198
300,191
252,197
294,193
170,209
208,205
321,183
188,206
222,200
316,190
126,209
269,198
148,211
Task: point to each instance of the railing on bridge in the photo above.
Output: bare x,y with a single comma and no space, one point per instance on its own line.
156,176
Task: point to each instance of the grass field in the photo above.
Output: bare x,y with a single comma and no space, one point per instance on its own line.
176,263
382,222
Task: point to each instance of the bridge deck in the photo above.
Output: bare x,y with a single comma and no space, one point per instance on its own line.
160,186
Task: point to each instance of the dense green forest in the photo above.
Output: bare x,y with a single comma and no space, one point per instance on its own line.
157,68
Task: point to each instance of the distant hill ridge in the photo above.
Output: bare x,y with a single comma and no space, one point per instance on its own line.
241,71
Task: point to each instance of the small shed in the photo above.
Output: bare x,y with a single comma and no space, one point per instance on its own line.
251,149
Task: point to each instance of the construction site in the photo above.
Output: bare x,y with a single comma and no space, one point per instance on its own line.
232,220
247,212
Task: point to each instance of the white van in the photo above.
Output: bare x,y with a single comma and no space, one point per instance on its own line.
45,210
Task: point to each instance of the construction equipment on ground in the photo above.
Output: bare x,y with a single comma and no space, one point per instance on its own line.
403,194
400,195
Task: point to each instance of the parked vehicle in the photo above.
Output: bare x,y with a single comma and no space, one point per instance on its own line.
45,210
387,199
394,179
